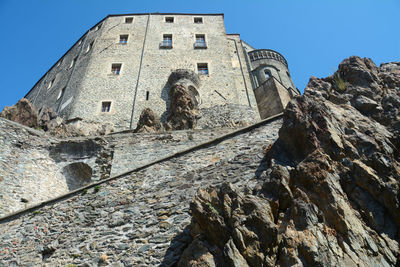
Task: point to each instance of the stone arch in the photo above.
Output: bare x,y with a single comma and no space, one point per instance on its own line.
77,174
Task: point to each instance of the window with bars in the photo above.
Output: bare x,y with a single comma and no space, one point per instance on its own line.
106,106
123,39
200,41
167,41
116,69
202,68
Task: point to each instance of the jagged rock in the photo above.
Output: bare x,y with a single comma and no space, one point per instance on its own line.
46,118
331,195
148,122
184,100
23,112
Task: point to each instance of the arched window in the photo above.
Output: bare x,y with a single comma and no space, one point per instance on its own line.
267,74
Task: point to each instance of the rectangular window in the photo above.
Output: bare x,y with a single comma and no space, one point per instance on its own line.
147,95
169,19
202,68
116,69
200,41
129,20
105,106
198,20
123,39
167,41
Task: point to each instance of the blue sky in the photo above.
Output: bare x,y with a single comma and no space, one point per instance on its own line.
314,36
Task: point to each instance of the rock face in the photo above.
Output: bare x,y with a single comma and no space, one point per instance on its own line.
184,100
330,195
23,112
148,122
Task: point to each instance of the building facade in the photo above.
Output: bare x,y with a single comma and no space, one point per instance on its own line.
122,64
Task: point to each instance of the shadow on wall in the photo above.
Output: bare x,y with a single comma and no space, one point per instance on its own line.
77,174
165,97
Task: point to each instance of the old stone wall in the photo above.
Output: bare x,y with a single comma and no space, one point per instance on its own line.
79,90
35,167
138,219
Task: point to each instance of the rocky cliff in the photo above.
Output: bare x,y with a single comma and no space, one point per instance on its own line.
330,195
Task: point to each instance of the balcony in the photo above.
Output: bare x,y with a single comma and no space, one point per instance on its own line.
166,44
200,45
266,54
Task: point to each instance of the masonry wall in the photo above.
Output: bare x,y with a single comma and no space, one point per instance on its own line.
138,219
90,81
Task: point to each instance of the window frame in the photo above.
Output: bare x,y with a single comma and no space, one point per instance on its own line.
120,39
169,19
128,20
198,20
203,69
104,109
167,40
116,69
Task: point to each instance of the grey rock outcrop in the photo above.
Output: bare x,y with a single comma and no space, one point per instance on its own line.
23,112
330,195
148,122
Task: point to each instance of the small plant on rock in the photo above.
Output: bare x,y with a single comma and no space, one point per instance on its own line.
97,188
340,83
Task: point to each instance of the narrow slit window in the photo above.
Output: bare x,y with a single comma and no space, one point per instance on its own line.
61,94
90,46
106,106
116,69
123,39
267,74
147,95
50,84
73,62
202,68
129,20
198,20
169,19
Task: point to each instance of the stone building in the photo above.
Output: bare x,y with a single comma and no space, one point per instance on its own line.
122,65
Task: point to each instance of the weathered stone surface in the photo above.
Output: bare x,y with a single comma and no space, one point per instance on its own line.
148,122
184,100
23,112
139,219
331,194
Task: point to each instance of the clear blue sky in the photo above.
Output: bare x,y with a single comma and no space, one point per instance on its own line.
314,36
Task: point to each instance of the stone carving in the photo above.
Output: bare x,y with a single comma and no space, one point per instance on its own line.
184,100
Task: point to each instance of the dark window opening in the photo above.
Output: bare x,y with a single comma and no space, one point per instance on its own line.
147,95
105,106
267,74
116,69
198,20
129,20
202,68
169,19
123,39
